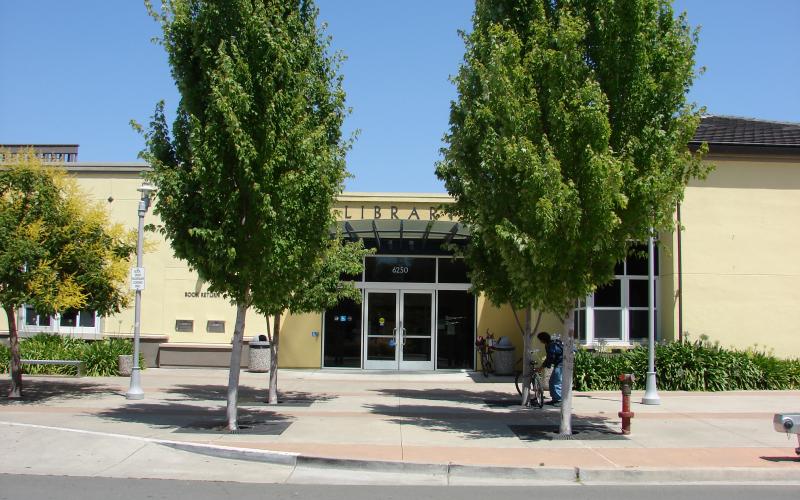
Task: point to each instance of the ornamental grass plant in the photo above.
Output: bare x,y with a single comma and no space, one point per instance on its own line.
688,366
99,356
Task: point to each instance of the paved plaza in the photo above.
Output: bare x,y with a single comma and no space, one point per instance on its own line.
443,424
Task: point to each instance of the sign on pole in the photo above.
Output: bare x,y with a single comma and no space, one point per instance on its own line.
137,278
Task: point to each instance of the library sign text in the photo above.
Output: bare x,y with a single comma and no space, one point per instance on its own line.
390,212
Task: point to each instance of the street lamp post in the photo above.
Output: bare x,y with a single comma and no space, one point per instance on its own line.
137,283
651,390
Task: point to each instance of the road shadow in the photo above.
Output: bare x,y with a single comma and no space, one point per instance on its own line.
248,395
36,390
192,418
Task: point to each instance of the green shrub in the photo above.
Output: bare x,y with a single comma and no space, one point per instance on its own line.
688,366
99,356
5,357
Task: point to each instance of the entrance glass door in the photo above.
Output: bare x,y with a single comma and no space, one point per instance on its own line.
416,330
399,330
381,330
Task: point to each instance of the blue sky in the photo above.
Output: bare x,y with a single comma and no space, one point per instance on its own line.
77,72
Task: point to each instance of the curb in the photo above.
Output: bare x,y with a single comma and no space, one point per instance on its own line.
461,474
490,474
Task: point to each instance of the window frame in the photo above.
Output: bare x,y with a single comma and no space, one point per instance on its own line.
624,309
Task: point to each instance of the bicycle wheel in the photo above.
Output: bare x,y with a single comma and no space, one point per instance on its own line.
518,383
537,392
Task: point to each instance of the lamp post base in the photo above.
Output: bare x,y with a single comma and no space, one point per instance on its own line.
135,390
651,392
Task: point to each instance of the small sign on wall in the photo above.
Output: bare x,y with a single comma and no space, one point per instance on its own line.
184,325
215,326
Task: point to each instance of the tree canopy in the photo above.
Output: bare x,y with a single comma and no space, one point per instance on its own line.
568,142
247,178
57,252
255,158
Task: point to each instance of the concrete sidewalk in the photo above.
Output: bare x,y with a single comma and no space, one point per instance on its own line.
452,423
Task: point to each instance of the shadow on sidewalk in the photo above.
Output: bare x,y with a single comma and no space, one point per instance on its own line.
190,418
247,395
39,391
477,423
479,378
787,458
455,395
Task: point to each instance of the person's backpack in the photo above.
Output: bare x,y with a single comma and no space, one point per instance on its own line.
558,352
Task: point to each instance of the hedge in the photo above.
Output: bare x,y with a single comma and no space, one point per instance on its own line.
99,356
688,366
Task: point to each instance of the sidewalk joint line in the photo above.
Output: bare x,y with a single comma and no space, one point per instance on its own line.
125,459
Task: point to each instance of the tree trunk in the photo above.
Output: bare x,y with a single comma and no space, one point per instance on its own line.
566,375
15,391
236,364
273,366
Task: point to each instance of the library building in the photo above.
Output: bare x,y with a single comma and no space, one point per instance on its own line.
732,274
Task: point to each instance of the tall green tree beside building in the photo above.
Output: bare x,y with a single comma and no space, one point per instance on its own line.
57,252
568,141
248,174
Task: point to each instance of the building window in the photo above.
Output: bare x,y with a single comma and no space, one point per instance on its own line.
618,311
78,319
33,319
81,323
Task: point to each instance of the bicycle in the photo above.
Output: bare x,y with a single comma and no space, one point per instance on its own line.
534,384
485,347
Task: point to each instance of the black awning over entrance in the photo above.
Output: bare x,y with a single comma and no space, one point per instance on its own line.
406,236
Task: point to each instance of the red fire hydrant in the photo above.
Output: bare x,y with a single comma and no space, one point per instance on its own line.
626,414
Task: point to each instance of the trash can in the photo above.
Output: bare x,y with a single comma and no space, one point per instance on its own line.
503,357
125,365
260,356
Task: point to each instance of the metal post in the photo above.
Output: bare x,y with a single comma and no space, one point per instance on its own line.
651,391
135,391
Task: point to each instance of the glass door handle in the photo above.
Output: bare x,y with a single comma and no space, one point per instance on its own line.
402,336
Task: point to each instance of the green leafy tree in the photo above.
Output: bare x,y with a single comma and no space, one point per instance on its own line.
568,142
57,252
248,174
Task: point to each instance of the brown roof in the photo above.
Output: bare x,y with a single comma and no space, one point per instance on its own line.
737,131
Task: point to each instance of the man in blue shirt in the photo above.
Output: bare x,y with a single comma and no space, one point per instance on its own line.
555,356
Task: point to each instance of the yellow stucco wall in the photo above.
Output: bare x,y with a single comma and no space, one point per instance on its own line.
173,291
299,348
741,270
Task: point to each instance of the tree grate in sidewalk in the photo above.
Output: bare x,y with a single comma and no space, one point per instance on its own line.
255,427
549,432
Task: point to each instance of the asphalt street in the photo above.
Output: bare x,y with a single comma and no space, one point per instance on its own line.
88,488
